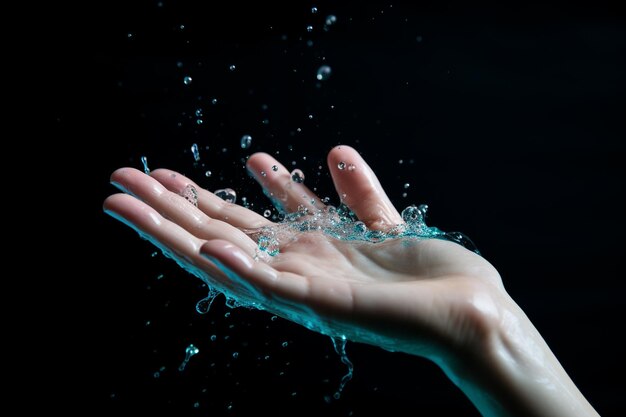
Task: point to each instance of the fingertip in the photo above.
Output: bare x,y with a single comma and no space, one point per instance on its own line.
342,156
119,174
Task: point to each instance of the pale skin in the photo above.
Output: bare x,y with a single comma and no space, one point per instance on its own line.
430,297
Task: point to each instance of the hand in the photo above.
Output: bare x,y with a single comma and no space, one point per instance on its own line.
428,297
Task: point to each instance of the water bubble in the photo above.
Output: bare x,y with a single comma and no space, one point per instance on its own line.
323,72
190,194
419,38
235,355
187,80
195,152
232,67
406,185
214,101
144,161
313,9
284,344
341,165
263,174
274,318
351,167
331,19
189,352
213,338
309,28
360,228
267,213
199,121
246,141
226,194
274,168
297,176
208,174
199,112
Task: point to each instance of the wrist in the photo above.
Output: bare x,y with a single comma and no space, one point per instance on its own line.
511,371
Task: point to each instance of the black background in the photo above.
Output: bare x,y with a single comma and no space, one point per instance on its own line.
508,121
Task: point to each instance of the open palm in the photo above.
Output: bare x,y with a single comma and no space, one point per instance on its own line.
421,296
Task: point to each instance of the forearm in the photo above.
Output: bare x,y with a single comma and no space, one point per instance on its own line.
515,373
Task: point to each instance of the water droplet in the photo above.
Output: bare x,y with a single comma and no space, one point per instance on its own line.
331,19
190,194
246,141
313,9
208,174
351,167
267,213
323,73
203,306
190,351
226,194
406,185
297,176
232,67
341,165
144,161
309,28
401,161
310,116
195,152
187,80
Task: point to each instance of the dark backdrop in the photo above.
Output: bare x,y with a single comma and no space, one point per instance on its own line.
508,121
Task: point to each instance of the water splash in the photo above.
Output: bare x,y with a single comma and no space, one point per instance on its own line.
339,343
190,351
144,162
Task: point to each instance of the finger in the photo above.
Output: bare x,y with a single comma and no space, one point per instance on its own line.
360,190
211,204
238,265
177,209
172,239
287,195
